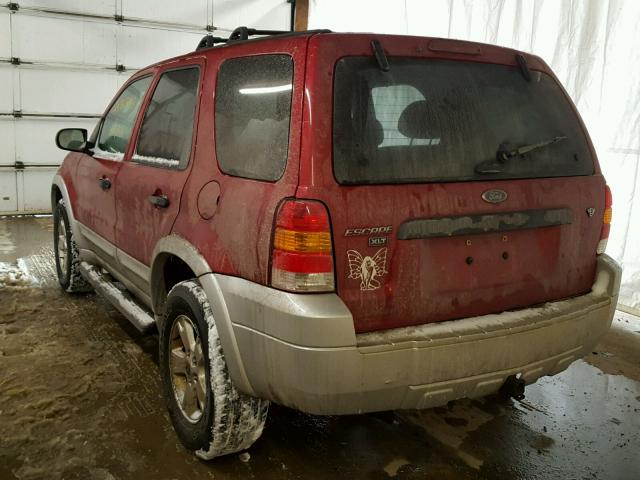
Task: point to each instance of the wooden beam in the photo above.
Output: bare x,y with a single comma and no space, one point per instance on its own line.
302,15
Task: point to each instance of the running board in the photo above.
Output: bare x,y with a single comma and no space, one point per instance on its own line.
121,300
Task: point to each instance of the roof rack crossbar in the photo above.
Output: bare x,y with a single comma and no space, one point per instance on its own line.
209,41
243,33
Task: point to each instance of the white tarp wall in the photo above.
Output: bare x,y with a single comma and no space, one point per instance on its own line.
592,45
64,70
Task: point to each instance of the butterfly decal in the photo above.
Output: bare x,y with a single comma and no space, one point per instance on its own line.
367,269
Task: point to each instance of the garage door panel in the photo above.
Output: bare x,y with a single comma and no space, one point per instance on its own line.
5,35
142,46
76,45
6,88
93,7
265,14
35,139
7,137
192,12
76,41
8,194
36,188
70,91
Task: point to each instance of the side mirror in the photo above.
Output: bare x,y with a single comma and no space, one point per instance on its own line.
72,139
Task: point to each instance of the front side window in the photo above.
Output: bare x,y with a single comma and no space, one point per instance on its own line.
167,129
118,123
442,121
253,112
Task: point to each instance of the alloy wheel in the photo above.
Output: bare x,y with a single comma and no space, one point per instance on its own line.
187,368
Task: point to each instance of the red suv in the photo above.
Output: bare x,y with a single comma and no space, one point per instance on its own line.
340,223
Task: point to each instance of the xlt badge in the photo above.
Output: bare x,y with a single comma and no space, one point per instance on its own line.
378,241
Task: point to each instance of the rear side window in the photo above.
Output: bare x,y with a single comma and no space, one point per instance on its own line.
441,120
253,112
167,129
118,123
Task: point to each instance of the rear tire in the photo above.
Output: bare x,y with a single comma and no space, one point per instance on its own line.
208,414
66,253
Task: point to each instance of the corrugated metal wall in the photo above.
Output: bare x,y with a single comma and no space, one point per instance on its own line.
61,61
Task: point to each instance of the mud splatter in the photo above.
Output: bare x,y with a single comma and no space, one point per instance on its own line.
80,398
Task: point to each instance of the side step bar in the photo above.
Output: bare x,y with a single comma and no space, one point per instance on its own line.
122,300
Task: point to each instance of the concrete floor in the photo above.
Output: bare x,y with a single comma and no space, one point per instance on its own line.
80,398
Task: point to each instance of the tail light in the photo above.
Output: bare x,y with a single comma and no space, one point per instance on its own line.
606,221
302,252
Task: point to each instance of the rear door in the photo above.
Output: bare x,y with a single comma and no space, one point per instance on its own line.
151,180
456,187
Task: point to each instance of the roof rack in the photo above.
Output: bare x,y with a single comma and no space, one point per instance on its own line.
243,33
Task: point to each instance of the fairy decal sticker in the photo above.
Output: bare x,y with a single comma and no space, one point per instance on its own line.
367,269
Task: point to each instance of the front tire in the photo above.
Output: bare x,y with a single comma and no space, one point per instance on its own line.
208,414
66,253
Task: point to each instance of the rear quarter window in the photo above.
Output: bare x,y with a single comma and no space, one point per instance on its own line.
252,116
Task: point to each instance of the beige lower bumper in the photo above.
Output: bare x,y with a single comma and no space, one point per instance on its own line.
429,365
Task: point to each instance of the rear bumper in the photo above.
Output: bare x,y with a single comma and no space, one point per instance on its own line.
287,354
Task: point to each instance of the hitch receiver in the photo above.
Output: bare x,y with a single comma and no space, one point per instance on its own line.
513,387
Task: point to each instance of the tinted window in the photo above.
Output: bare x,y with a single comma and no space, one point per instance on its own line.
441,120
253,109
117,125
167,129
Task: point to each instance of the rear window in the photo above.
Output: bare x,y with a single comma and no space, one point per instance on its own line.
253,110
441,120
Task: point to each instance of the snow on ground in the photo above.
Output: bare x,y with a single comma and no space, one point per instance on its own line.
16,274
626,321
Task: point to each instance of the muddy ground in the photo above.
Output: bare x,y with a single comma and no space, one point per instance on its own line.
80,398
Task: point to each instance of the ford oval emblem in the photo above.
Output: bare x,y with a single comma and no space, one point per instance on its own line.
494,196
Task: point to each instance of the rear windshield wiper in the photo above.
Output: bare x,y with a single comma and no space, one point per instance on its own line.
505,152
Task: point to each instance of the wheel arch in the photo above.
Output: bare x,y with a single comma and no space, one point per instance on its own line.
174,248
56,196
177,249
59,192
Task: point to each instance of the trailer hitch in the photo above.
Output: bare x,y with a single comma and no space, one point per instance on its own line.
513,387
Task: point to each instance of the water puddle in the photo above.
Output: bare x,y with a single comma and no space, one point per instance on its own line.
6,241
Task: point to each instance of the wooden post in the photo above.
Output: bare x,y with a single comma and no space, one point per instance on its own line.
302,15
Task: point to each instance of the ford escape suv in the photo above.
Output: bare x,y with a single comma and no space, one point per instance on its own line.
339,223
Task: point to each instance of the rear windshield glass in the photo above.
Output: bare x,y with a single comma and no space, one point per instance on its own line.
442,120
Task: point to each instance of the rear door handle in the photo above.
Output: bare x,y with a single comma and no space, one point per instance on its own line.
105,183
159,201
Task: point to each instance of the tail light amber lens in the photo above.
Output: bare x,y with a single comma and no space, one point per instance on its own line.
302,251
606,221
